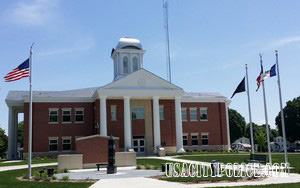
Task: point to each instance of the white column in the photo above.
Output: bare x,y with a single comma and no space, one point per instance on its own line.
227,122
179,143
156,123
103,123
15,134
10,133
127,124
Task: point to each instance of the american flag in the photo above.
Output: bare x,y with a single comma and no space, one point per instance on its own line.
22,71
259,79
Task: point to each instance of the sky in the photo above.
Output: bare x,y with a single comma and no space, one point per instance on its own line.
210,43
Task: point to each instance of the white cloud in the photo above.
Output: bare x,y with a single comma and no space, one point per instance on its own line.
82,45
37,12
283,41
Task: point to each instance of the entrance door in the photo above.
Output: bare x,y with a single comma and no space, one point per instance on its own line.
139,144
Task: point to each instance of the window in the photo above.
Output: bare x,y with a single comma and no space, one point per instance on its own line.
183,114
204,138
194,139
137,113
79,115
53,115
53,144
185,140
66,115
135,63
66,144
203,113
113,112
125,64
193,114
161,112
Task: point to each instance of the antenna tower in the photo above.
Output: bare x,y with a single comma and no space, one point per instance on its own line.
166,25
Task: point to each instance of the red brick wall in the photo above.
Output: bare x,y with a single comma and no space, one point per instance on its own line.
42,129
168,125
215,126
116,127
94,148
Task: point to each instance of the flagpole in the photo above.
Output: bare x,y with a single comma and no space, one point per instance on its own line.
281,110
250,117
30,114
266,114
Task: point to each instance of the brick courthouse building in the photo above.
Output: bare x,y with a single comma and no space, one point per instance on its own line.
142,109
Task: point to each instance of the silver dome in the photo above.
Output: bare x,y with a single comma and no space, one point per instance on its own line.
127,42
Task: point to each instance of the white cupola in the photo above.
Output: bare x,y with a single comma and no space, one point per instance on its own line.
127,57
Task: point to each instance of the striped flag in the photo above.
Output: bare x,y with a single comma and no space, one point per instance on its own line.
22,71
259,78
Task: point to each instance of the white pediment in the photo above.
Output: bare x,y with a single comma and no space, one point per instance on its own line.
141,83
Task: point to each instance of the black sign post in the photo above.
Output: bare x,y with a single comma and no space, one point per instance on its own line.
111,168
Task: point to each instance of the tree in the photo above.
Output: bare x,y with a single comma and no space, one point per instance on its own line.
3,143
20,133
292,120
237,125
261,139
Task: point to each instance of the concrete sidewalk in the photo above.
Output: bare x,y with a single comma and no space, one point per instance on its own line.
17,167
144,182
150,183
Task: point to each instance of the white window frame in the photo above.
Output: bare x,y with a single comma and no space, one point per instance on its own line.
52,138
190,109
113,109
187,139
62,143
76,110
195,134
206,109
204,134
138,107
161,112
183,108
66,110
53,110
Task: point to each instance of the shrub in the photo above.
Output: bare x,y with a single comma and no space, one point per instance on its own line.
45,177
148,167
65,178
138,167
36,176
65,170
54,178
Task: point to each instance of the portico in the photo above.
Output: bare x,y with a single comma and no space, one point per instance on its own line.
142,85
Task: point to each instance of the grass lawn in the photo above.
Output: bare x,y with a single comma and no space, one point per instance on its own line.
294,159
155,163
8,179
200,179
34,161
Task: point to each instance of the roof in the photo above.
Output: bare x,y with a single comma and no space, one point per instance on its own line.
88,94
129,42
204,97
76,93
